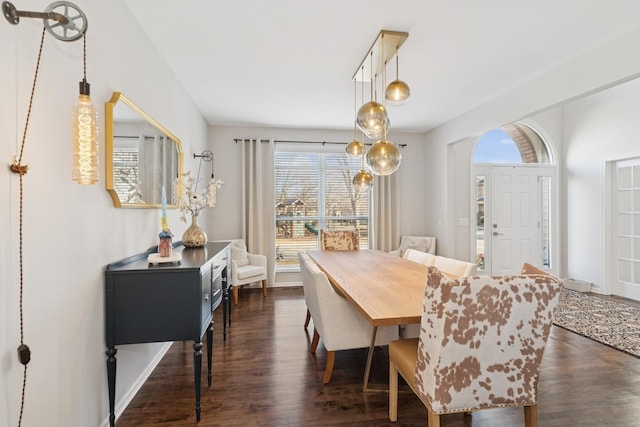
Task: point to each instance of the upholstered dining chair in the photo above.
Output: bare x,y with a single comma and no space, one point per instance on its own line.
246,268
481,343
420,257
336,322
453,268
339,240
336,240
421,243
450,267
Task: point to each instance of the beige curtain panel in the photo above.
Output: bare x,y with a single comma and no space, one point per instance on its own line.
385,215
258,202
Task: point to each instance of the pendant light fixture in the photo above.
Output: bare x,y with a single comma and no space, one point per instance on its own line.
383,157
362,180
397,92
67,22
372,117
355,148
85,133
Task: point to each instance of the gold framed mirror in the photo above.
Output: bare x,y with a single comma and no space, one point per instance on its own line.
142,157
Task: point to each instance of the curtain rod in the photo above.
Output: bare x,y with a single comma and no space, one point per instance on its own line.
134,136
264,141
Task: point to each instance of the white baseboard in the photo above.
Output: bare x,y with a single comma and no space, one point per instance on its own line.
577,285
124,401
287,284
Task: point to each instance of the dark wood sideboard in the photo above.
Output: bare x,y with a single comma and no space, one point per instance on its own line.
167,302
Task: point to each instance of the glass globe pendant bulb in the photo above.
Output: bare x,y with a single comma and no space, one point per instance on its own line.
384,157
362,181
397,92
85,139
372,119
355,149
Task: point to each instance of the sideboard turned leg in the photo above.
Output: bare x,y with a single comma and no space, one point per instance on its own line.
197,371
111,380
209,351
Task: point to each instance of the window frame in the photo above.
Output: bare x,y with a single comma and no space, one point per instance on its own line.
323,218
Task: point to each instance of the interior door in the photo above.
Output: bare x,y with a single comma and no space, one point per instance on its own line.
625,229
514,228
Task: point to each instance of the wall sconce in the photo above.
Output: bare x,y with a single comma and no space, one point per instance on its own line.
65,21
207,156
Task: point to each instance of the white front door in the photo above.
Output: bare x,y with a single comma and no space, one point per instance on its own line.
516,210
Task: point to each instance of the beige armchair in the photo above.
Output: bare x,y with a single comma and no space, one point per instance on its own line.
480,346
246,268
336,322
421,243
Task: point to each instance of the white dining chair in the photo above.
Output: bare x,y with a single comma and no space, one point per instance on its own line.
335,321
420,257
336,240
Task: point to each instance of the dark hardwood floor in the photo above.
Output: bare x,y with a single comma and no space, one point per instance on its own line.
265,376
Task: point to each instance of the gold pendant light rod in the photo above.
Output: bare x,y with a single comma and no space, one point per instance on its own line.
382,50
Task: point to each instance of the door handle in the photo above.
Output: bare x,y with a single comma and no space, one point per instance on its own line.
495,233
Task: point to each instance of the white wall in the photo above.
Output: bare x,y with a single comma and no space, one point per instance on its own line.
601,127
70,231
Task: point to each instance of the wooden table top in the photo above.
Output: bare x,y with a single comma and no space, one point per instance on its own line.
386,289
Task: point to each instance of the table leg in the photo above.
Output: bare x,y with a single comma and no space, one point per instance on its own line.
370,358
197,370
111,379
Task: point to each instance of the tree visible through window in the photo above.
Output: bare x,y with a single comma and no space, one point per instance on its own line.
314,191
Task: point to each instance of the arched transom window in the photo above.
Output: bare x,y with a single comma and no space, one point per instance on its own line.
513,143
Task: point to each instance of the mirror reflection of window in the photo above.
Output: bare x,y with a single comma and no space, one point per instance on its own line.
125,169
142,157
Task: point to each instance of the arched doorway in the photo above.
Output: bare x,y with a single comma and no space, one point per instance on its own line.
513,203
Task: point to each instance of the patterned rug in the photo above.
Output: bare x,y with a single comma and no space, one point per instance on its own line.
612,323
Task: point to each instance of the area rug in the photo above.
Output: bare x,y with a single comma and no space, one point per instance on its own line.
609,322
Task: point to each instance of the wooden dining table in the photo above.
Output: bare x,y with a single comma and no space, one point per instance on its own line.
386,289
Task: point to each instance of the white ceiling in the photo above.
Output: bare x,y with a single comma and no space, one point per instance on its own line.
289,63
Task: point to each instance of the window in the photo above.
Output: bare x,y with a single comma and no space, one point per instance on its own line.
514,143
480,229
313,191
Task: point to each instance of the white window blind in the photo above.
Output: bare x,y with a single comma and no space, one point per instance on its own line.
125,168
314,191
